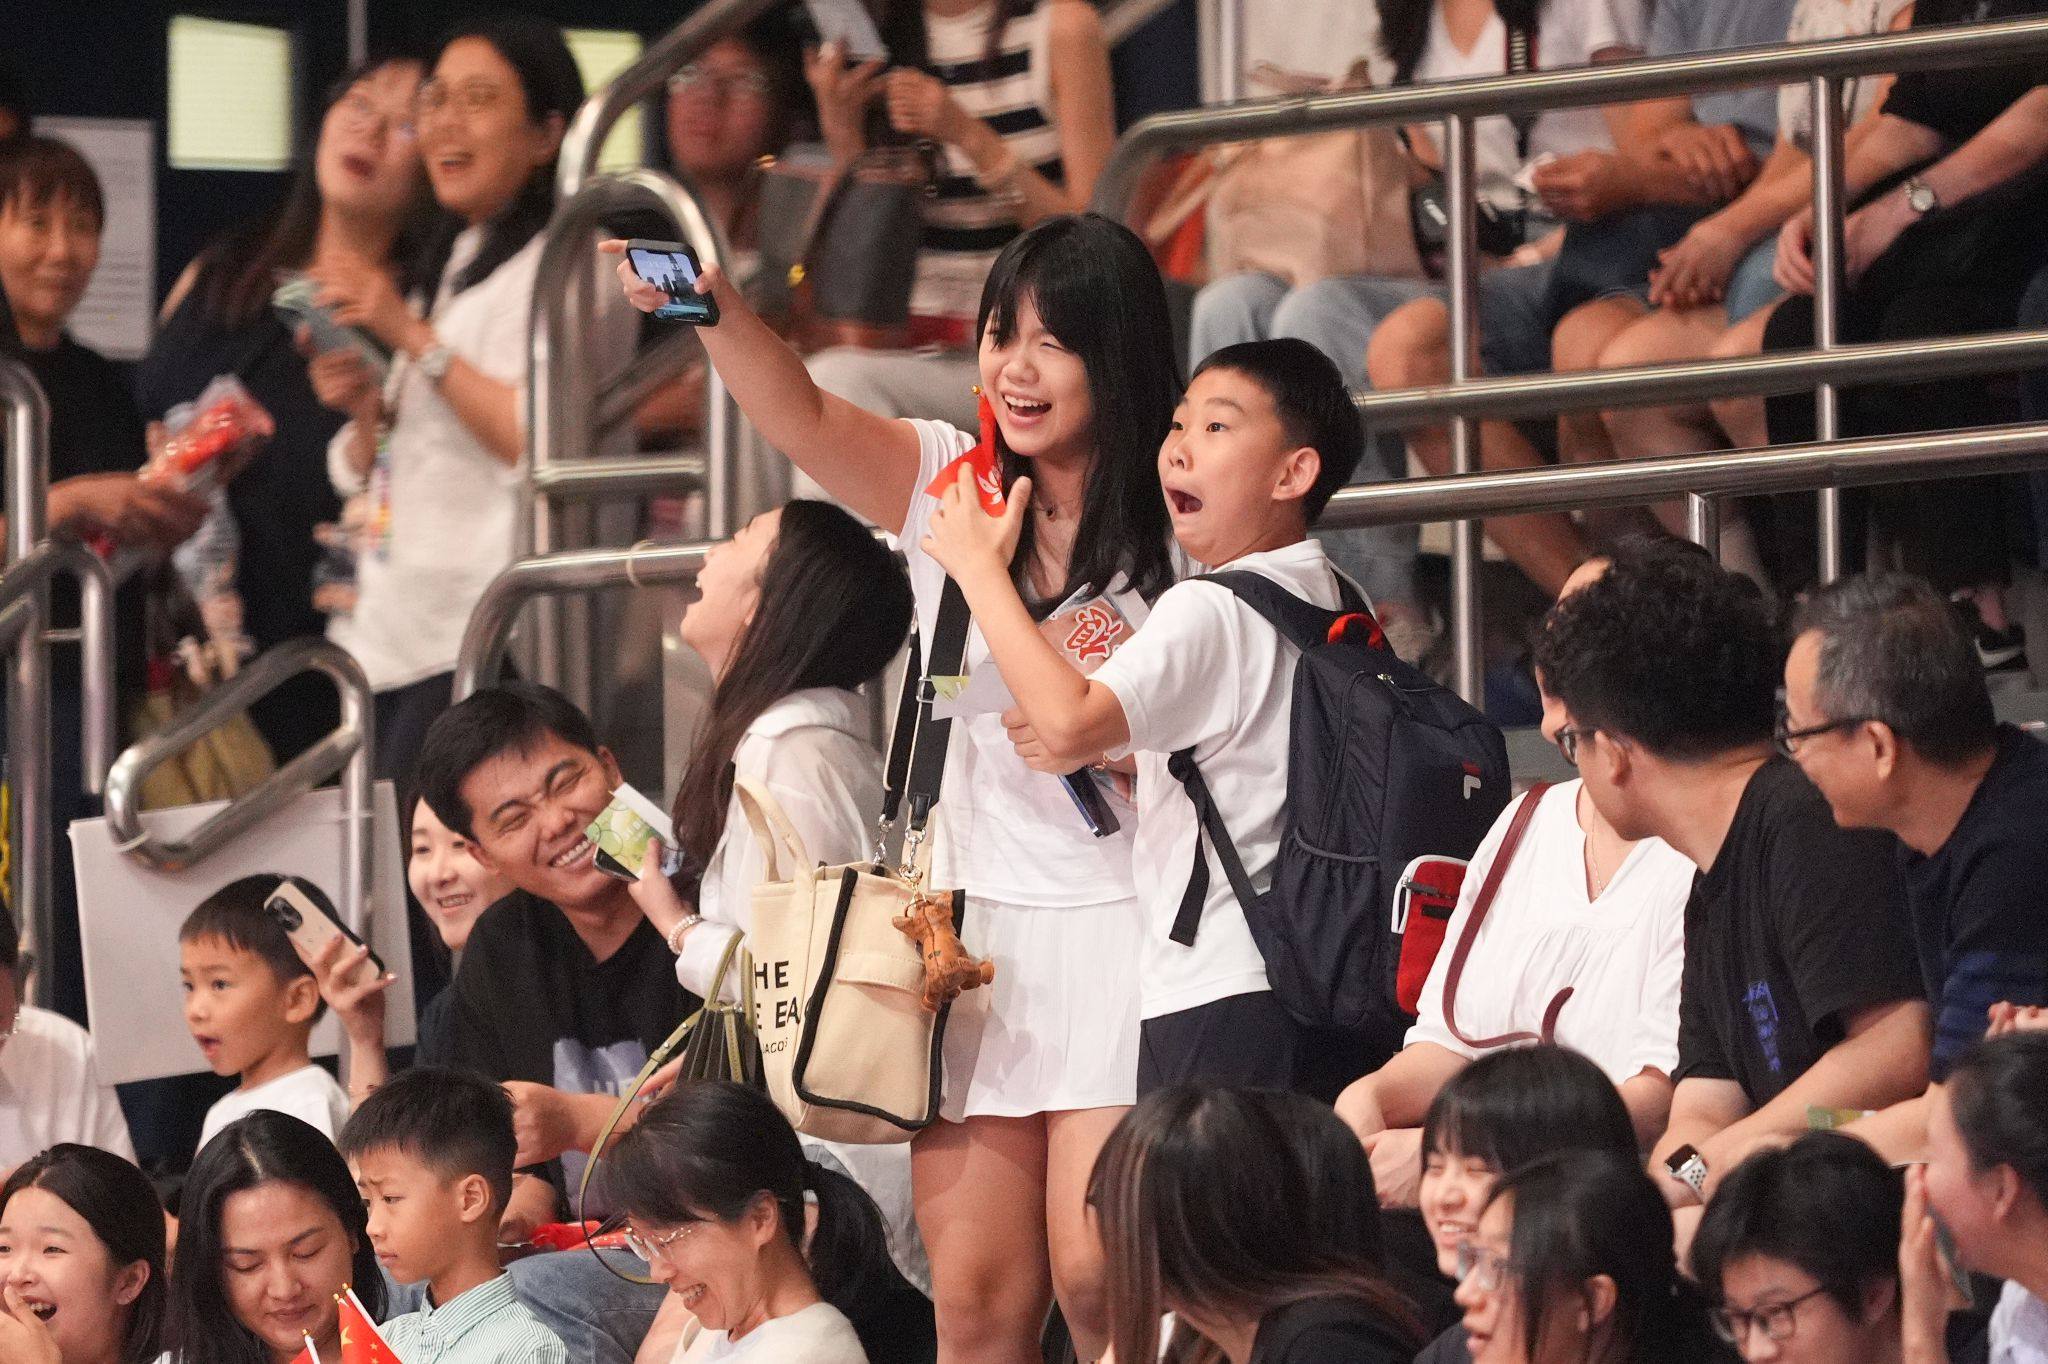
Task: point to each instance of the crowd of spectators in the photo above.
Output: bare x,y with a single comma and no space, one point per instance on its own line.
1781,938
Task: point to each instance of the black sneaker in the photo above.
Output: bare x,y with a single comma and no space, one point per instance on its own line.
1998,651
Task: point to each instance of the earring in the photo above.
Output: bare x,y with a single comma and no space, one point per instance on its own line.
975,389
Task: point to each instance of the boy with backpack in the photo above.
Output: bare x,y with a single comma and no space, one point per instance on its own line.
1254,937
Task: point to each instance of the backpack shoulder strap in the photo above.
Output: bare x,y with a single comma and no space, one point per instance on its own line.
1209,829
1302,622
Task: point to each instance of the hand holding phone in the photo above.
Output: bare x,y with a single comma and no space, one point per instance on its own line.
312,926
670,267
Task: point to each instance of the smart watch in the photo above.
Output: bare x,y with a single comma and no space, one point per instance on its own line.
1685,1164
1920,196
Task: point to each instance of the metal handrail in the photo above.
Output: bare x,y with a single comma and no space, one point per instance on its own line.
25,580
574,571
1460,103
1566,87
28,692
347,749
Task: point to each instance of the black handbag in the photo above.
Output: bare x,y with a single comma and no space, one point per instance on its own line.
839,244
1499,231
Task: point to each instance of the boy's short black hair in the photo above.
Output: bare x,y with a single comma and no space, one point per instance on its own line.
38,169
1309,397
234,914
1666,648
455,1122
506,719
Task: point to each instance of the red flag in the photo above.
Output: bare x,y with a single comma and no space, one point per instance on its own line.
309,1355
987,466
360,1343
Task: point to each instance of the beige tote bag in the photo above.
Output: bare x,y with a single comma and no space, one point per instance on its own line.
848,1048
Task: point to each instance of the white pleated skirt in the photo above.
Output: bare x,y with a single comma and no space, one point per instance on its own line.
1058,1028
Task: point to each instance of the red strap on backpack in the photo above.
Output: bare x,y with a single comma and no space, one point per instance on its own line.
1481,903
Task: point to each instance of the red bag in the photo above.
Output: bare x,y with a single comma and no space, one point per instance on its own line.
1423,902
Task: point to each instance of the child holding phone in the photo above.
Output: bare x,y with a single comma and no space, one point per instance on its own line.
1076,369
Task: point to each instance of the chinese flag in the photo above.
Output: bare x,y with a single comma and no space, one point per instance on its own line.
360,1343
988,473
309,1355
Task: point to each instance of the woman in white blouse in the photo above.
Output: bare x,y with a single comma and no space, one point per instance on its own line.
1580,909
434,445
796,611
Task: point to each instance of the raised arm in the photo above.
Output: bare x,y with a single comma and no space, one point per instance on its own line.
866,461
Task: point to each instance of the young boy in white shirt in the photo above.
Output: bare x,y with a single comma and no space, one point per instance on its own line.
432,1152
251,1003
1264,435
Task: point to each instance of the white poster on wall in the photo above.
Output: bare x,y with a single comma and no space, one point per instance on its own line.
118,315
129,916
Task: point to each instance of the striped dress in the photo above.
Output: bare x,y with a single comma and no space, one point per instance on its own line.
965,226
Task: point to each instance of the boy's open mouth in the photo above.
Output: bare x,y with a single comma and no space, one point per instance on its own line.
1185,503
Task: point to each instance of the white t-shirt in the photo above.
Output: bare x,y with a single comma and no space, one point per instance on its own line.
1622,954
1209,672
820,1334
453,502
1004,832
810,750
2019,1328
309,1094
51,1091
1568,33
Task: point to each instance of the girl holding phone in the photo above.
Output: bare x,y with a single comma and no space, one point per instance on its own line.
1076,361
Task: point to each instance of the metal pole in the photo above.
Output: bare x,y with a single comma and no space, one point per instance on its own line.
1828,284
1463,270
1703,523
28,700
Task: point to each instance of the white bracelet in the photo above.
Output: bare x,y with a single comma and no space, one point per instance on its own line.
683,925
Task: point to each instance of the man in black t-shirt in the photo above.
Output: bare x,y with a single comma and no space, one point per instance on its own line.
1887,712
1800,988
565,989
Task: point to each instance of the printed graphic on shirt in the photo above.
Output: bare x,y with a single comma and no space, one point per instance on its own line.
579,1069
1763,1014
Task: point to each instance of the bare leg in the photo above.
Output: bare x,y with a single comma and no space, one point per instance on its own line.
1667,336
1073,1140
1411,349
980,1192
1581,336
1743,418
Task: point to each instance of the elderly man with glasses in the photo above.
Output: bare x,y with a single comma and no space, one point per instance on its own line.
1887,712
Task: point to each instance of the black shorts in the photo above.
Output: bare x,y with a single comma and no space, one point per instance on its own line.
1244,1040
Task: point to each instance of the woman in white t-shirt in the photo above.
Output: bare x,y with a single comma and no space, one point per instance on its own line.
719,1200
1076,361
793,614
434,447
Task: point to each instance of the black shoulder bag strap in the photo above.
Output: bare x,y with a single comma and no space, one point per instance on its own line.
917,753
1301,623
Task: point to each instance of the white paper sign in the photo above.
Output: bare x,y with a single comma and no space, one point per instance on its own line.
129,917
117,317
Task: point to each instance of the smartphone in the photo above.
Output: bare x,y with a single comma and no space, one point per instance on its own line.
309,924
848,23
294,302
670,267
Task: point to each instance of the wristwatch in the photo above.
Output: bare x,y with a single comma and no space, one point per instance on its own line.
434,361
1920,196
1685,1164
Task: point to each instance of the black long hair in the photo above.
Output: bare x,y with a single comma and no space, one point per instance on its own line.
1580,1214
118,1203
1199,1194
707,1151
1404,28
238,271
1998,1092
261,1148
834,610
1095,287
1516,1104
549,83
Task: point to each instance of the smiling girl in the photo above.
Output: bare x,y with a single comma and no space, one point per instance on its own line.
1076,361
81,1261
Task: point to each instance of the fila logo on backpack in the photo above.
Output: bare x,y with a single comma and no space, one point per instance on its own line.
1383,766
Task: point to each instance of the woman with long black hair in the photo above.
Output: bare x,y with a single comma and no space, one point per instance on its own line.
271,1228
81,1261
435,444
1076,365
358,195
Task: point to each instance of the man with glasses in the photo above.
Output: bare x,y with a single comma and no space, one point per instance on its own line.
1799,989
1887,712
50,1087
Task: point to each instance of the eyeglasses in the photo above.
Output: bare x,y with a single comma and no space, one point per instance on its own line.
1777,1320
698,79
468,100
647,1249
1568,741
1478,1265
358,113
1787,739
